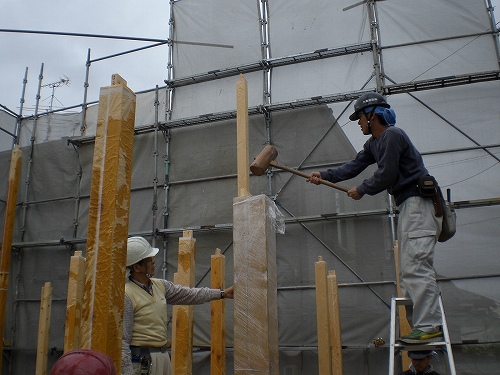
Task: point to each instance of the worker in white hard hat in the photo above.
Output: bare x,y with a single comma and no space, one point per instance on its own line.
421,363
145,341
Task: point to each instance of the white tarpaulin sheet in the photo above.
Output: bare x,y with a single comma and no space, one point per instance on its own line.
455,128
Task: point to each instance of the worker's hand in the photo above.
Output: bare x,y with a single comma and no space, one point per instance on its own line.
354,194
314,178
229,292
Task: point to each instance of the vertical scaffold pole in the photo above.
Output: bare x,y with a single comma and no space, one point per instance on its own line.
30,159
83,126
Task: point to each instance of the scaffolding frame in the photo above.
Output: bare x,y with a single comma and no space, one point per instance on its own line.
265,66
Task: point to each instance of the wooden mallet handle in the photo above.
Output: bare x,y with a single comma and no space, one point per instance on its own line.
305,175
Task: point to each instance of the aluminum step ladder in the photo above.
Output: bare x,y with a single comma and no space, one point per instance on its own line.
396,346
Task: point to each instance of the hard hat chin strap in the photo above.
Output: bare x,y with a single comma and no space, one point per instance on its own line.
368,118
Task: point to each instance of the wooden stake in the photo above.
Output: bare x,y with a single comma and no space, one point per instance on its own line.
404,326
42,351
324,353
8,229
242,137
183,316
108,222
334,323
218,317
74,302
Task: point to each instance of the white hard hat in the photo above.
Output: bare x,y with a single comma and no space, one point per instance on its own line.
138,249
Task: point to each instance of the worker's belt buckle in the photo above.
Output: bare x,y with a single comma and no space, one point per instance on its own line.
139,351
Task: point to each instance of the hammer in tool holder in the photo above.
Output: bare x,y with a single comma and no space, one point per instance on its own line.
266,159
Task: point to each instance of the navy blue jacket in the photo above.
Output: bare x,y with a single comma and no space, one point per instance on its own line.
399,165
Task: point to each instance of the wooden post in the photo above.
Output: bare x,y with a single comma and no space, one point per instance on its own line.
218,317
74,302
8,229
108,222
334,323
404,326
183,316
243,165
324,354
255,296
44,330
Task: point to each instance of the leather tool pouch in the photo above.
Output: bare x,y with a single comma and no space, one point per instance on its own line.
427,186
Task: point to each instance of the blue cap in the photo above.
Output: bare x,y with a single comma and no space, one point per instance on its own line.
387,114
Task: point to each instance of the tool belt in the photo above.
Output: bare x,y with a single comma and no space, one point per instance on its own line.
408,191
145,351
428,188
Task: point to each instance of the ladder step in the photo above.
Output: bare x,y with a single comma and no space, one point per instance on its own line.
427,346
400,301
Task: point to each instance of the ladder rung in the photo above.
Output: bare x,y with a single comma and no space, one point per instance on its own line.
427,346
400,301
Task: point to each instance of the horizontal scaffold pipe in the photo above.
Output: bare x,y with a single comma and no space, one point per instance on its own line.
441,82
430,84
426,41
229,226
270,63
387,282
284,348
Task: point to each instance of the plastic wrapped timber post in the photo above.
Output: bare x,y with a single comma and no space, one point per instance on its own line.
108,221
7,235
255,298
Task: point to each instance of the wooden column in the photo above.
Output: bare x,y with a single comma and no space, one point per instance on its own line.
255,295
404,326
334,323
42,351
7,235
74,302
217,317
243,164
324,354
108,221
183,316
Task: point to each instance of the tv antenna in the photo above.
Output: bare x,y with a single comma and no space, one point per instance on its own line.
54,85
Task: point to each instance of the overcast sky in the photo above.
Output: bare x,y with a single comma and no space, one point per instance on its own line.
64,57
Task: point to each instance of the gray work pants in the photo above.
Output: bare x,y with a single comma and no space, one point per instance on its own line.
418,230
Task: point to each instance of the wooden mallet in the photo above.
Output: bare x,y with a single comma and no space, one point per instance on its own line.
266,159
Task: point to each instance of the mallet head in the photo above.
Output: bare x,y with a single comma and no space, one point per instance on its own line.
263,160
